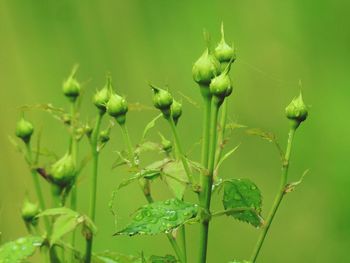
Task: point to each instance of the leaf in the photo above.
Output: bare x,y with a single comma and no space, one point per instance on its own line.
115,257
63,225
160,217
165,259
147,146
149,126
291,186
223,158
176,178
20,249
57,211
240,261
234,125
243,193
67,221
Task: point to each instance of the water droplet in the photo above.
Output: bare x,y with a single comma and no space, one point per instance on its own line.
139,217
253,187
171,216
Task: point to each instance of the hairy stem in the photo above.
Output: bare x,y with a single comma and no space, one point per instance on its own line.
207,180
278,198
95,155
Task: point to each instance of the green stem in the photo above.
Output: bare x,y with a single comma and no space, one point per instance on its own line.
37,186
206,128
176,248
278,197
181,152
95,155
74,153
221,135
207,180
128,142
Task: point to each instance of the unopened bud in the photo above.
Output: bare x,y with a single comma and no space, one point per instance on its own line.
24,130
117,107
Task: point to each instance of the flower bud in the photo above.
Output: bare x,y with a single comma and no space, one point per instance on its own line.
63,171
221,86
104,136
71,87
224,53
102,96
167,146
176,111
162,100
88,130
24,130
117,107
29,212
297,111
205,68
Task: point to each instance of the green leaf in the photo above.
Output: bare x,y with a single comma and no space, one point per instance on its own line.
20,249
176,178
149,126
165,259
243,193
223,158
240,261
160,217
67,221
147,146
63,224
115,257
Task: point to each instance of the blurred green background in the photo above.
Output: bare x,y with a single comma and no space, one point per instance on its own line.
278,43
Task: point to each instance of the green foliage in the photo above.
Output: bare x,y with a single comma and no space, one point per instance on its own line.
240,261
241,193
20,249
176,178
115,257
160,217
66,221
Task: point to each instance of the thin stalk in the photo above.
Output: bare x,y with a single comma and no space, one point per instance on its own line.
176,248
182,229
181,152
95,155
278,198
74,153
221,135
128,142
207,180
37,186
206,128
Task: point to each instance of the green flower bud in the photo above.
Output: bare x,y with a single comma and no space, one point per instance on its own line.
167,146
221,86
176,110
63,171
71,87
162,100
117,107
29,212
297,111
224,53
88,130
24,130
102,96
205,68
104,136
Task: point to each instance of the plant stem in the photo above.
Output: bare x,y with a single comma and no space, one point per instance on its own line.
37,186
74,153
176,248
221,135
182,156
95,155
206,128
278,197
128,142
207,180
